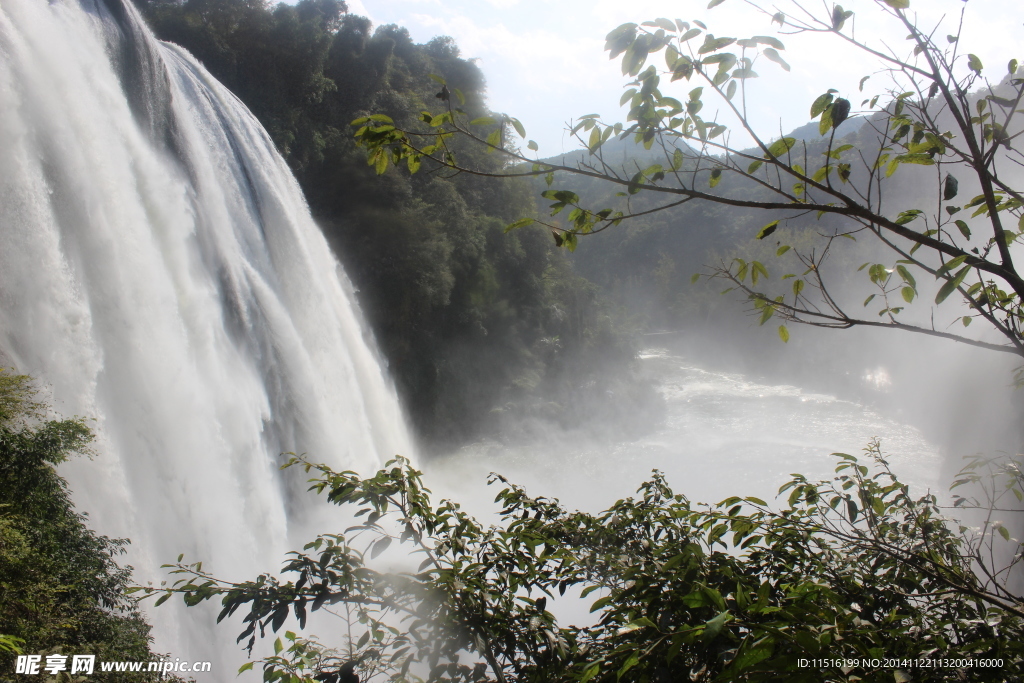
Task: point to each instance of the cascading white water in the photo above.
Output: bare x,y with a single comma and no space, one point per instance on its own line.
161,273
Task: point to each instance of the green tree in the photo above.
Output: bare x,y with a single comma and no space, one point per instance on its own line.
841,572
473,326
939,119
61,589
849,570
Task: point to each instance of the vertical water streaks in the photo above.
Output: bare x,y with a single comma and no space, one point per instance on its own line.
160,272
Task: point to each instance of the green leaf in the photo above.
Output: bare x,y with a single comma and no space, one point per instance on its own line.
716,177
494,139
949,265
950,285
773,55
630,662
754,166
714,626
826,120
380,161
950,187
590,672
570,241
922,159
908,294
905,274
246,667
380,546
712,44
783,333
898,4
519,127
521,223
532,145
767,230
757,270
715,3
908,216
771,41
820,104
483,121
755,655
619,40
692,33
839,111
635,183
973,63
1004,532
780,147
694,278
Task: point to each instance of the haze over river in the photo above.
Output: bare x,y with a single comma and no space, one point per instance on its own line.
723,434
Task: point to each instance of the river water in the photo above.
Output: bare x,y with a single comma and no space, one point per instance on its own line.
723,434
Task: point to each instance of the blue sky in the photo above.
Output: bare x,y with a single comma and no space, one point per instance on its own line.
545,62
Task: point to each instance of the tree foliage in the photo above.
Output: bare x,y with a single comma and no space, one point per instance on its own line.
474,325
852,569
61,589
938,114
840,571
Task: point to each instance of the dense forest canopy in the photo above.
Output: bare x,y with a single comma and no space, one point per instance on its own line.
848,579
62,590
473,324
935,109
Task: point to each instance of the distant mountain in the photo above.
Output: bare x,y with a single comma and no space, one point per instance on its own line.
617,152
809,131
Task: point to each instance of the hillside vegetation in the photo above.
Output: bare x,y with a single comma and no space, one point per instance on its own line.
62,591
475,325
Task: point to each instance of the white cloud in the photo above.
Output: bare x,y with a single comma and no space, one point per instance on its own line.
544,61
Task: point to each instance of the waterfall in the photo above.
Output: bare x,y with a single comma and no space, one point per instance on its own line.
160,273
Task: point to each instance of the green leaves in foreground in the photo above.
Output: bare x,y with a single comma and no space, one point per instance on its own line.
733,591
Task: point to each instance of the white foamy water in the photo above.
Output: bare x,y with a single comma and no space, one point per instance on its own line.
723,435
161,274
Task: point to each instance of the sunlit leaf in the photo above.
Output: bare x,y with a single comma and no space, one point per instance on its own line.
767,230
773,55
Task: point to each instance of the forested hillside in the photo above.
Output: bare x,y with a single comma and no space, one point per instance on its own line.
474,324
647,264
62,590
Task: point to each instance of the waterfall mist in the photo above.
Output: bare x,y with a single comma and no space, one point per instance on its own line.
160,273
742,412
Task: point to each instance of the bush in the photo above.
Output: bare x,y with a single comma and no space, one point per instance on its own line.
850,570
